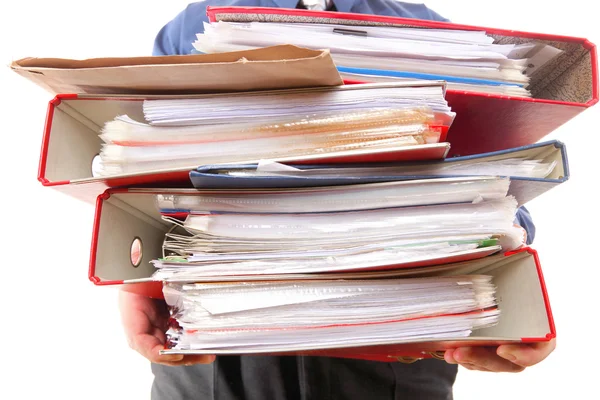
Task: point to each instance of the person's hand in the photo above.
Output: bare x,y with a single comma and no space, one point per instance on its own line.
145,322
504,358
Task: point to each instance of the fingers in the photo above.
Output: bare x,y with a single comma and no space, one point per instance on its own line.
194,359
505,358
154,356
527,355
140,314
145,322
481,359
149,346
175,360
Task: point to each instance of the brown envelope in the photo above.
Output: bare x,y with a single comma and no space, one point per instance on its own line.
273,67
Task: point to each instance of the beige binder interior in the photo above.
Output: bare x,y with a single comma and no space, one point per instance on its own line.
127,216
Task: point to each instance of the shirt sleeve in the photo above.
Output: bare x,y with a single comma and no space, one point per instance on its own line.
164,44
437,17
524,219
415,10
177,36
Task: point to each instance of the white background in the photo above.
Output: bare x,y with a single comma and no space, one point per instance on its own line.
61,336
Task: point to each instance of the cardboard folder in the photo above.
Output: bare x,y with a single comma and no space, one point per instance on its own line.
485,122
124,217
267,68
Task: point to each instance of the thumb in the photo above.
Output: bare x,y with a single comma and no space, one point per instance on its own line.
149,346
180,359
156,357
191,359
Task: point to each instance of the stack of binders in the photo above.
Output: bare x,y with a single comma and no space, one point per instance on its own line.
356,202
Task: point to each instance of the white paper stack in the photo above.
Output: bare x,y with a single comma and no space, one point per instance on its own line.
297,315
368,196
303,124
230,244
467,60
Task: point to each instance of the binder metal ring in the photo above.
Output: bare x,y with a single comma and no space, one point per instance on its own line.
405,359
438,355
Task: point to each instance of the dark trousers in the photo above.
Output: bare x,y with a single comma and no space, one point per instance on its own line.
304,378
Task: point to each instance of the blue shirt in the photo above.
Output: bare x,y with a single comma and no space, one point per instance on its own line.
178,35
